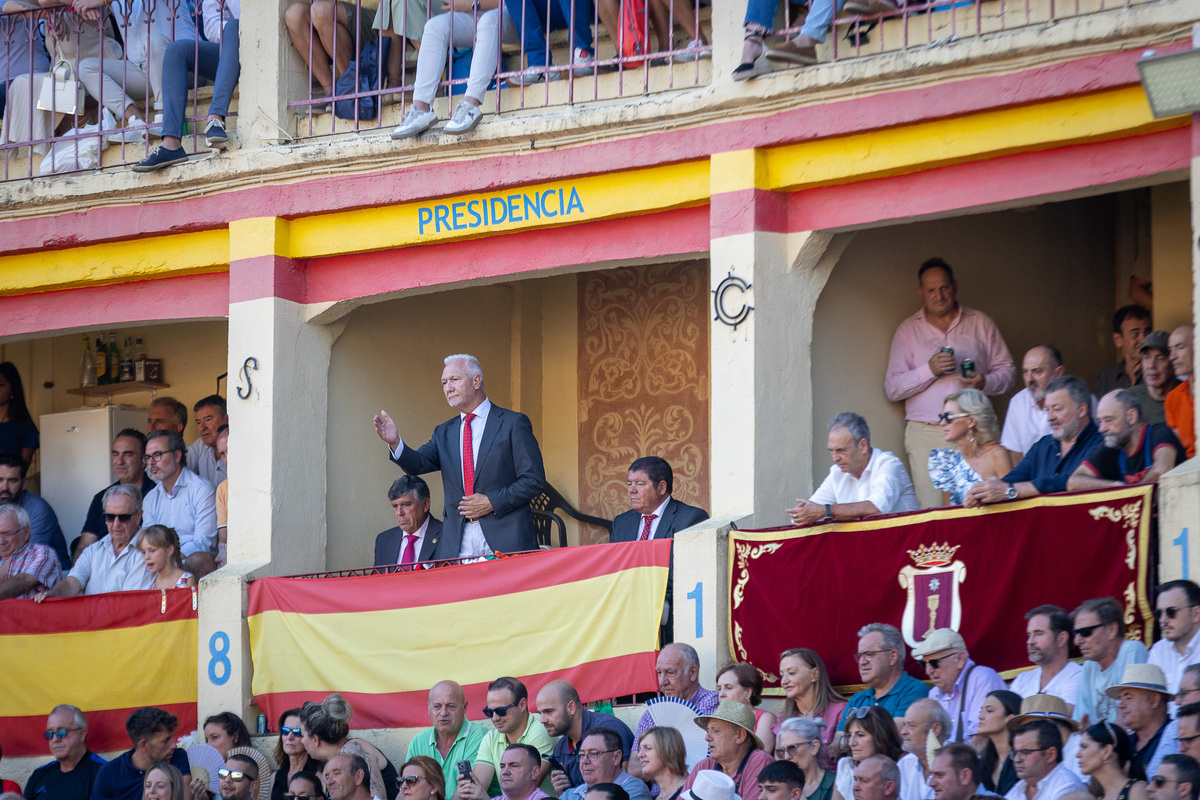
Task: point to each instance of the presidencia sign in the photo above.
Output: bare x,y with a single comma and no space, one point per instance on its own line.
544,205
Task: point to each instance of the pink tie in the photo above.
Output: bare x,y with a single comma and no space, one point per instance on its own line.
410,549
468,457
645,534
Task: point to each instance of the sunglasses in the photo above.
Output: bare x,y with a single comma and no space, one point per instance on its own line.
285,731
1084,633
111,518
61,733
408,780
1161,780
946,416
1170,613
236,777
501,711
862,712
935,663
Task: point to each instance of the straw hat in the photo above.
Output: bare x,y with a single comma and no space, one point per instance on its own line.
734,713
1043,706
1147,677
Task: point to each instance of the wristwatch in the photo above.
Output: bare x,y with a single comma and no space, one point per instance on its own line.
1011,493
828,511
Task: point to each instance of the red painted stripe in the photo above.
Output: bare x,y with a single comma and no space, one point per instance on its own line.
93,613
22,736
596,680
995,180
453,584
680,232
822,120
183,297
265,276
748,210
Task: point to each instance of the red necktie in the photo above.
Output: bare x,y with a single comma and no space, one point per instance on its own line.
645,534
410,549
468,457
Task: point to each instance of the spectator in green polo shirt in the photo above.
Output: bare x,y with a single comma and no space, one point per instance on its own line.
452,738
508,708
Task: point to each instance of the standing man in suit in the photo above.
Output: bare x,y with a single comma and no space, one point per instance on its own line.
655,515
416,534
490,462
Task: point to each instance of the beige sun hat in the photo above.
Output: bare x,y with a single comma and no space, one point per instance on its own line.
734,713
1141,676
939,640
1043,706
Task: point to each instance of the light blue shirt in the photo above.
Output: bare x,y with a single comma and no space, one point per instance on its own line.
1094,681
634,786
191,511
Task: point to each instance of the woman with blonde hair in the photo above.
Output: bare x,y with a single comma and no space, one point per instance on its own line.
163,782
810,693
663,757
969,423
325,732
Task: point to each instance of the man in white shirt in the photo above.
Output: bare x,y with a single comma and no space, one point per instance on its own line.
1049,707
1025,421
864,481
1048,641
113,564
1037,758
202,455
1178,609
182,500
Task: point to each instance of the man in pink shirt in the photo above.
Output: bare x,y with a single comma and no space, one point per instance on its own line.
921,373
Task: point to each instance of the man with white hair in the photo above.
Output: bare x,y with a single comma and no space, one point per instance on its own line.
490,462
924,728
31,568
864,481
73,771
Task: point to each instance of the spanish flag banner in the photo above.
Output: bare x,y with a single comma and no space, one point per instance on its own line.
587,614
976,570
108,654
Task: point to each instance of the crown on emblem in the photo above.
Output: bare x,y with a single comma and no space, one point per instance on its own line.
939,555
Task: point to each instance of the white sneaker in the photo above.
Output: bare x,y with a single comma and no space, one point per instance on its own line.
129,137
415,121
586,59
532,75
466,117
155,130
692,49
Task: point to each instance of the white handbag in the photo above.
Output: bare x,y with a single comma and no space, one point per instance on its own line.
61,92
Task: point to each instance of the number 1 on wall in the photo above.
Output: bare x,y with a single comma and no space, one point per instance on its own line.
697,596
1182,541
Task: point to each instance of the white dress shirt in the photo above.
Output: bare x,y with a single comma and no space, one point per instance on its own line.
1164,656
420,540
883,482
1058,782
100,570
658,512
202,460
1024,423
1064,685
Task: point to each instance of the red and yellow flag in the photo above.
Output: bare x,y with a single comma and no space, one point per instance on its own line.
108,654
588,614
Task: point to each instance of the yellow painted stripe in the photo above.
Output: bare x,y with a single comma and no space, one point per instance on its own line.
619,194
518,634
258,236
122,668
115,262
739,170
1095,117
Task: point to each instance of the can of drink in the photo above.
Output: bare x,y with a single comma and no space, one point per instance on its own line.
262,724
948,350
968,367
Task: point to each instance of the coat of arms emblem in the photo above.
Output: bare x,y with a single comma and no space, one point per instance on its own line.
932,586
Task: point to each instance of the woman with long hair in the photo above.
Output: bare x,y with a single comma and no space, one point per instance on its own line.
743,683
325,732
810,693
1106,755
163,782
996,771
291,756
663,757
18,434
800,742
870,731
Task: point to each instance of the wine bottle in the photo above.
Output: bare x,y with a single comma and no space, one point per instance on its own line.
101,362
114,359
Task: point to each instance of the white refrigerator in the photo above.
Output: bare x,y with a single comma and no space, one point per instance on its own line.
75,448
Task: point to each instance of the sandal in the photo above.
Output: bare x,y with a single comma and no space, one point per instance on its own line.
790,52
755,66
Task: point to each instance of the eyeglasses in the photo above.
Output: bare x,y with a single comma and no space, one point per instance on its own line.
408,780
154,458
946,417
792,749
236,777
1161,780
935,663
1026,753
285,731
865,654
61,733
1170,612
1084,633
111,518
501,711
592,755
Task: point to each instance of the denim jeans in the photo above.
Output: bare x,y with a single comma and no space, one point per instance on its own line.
529,16
816,25
208,61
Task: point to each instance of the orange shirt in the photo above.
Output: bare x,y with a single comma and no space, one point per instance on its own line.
1181,416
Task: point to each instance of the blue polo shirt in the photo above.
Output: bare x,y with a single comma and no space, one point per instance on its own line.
1046,468
568,755
907,691
119,779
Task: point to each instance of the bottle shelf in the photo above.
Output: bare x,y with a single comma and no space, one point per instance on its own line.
108,390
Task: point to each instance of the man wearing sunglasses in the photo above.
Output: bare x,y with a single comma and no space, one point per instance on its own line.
508,709
1178,608
959,684
1177,778
182,500
239,779
1099,626
114,563
72,773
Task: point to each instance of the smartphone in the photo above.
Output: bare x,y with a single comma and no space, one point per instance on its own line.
554,765
464,770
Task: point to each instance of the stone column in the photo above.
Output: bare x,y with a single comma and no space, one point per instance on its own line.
270,70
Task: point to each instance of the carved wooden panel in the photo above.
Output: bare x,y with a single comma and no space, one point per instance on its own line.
643,381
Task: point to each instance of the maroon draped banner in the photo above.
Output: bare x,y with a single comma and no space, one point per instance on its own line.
975,570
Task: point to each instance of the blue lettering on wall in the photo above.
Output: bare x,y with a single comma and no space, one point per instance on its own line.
520,207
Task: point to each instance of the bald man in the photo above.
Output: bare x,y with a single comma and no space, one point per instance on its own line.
1026,420
452,738
1180,402
563,715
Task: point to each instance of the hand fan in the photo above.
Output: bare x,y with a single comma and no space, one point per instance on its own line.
672,712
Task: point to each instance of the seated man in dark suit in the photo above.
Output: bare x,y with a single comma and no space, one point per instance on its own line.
416,534
490,462
655,515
